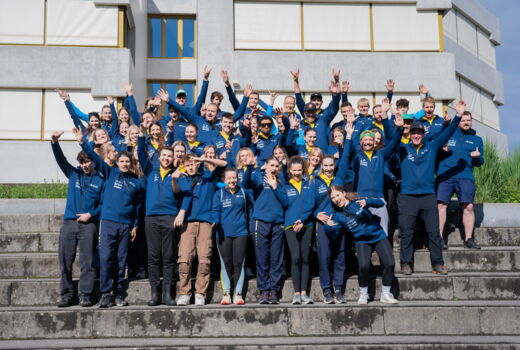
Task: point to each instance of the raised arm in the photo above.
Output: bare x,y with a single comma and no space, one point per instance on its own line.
231,94
102,167
203,91
64,165
114,127
239,112
185,112
389,89
144,161
132,107
445,135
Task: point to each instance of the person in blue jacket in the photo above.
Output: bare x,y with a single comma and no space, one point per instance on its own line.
232,209
253,98
164,201
417,197
80,224
309,135
351,213
267,230
317,118
433,124
330,241
201,177
462,153
298,230
119,217
266,142
227,142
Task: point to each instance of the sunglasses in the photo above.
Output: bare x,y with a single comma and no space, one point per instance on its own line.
266,125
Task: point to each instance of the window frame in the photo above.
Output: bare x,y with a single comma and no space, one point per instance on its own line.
180,33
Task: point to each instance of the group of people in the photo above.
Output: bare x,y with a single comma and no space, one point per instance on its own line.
195,178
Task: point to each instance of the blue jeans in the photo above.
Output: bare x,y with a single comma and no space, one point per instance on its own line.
113,251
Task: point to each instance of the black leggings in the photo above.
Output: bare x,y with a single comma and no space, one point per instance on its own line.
300,247
386,256
233,253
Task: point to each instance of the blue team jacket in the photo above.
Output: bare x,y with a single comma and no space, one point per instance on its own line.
293,203
83,191
457,162
231,212
418,166
267,206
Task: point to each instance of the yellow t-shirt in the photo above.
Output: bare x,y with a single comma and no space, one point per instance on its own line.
164,172
297,185
326,179
369,154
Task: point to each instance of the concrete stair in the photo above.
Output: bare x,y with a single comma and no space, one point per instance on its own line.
476,306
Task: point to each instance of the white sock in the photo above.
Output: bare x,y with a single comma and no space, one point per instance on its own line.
363,290
386,289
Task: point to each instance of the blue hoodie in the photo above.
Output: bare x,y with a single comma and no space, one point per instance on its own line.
267,206
418,166
369,172
203,186
232,211
160,198
293,201
121,196
433,128
457,163
360,222
83,191
263,149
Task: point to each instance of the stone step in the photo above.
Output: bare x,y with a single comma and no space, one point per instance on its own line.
45,265
282,343
456,286
30,223
407,318
18,242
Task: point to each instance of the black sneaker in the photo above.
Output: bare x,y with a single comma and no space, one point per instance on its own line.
264,297
444,245
471,244
85,301
339,298
65,302
120,300
106,301
328,298
273,297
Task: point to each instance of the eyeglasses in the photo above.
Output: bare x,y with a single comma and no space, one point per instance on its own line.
266,125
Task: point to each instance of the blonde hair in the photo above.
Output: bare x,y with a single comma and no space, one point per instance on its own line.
130,129
93,136
242,150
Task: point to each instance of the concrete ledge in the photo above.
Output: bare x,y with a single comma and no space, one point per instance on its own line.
32,206
488,214
448,318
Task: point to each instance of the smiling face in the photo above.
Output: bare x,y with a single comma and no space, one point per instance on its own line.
181,99
272,167
106,114
265,126
310,138
166,158
296,171
211,113
315,158
147,117
191,133
429,108
93,122
465,122
416,136
279,154
377,138
124,163
210,153
244,157
227,125
134,134
155,132
123,115
288,104
363,108
346,111
367,143
327,166
100,136
123,128
317,102
191,167
338,198
378,114
338,137
231,179
179,152
253,100
310,116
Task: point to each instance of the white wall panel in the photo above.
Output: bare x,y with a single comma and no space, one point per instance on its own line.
400,27
467,34
449,25
490,115
75,22
57,117
471,95
20,113
21,21
265,25
486,50
336,26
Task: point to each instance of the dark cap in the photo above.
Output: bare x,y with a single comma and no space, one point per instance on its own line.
180,93
310,107
417,126
316,95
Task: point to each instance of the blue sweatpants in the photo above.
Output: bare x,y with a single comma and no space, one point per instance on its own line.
113,251
269,248
331,259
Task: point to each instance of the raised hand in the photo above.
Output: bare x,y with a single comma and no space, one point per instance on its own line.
129,89
345,86
389,85
56,135
273,95
110,100
335,75
77,133
248,90
399,122
349,129
475,153
205,73
294,122
362,203
385,105
334,87
63,94
460,107
225,76
163,95
446,117
271,181
296,74
144,126
423,89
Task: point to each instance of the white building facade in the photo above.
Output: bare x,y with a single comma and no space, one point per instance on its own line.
91,47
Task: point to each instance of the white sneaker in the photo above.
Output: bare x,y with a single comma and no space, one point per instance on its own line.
363,299
199,299
388,298
183,300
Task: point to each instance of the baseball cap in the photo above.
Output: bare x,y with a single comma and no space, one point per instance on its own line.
417,126
316,95
180,93
407,116
366,133
310,107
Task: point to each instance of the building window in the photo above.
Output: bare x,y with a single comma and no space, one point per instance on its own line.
172,87
171,37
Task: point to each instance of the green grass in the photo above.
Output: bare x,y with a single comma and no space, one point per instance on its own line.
46,190
498,180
